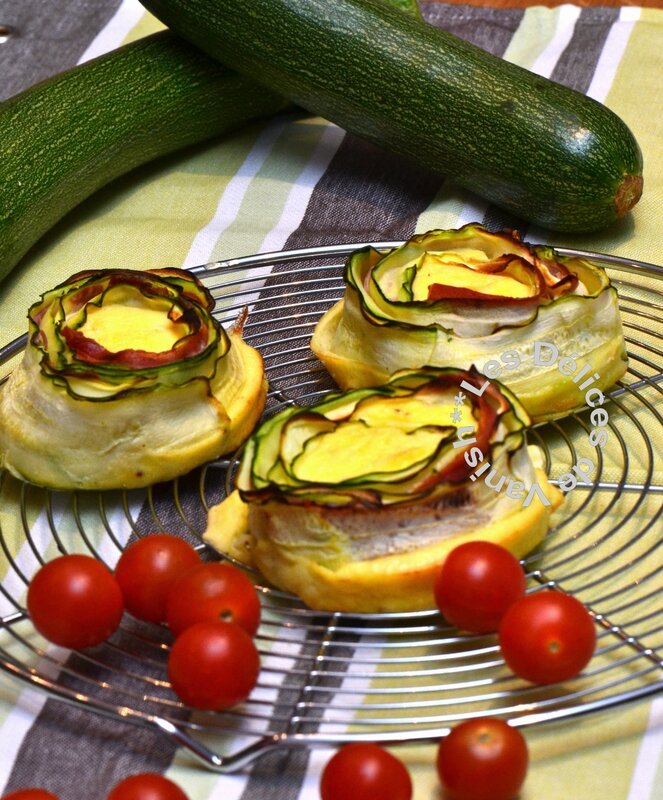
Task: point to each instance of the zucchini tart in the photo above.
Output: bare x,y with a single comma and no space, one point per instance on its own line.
353,503
127,380
537,321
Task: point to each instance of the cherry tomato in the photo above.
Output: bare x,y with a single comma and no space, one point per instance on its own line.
213,591
482,759
146,786
30,794
547,636
213,665
148,568
361,771
476,584
74,601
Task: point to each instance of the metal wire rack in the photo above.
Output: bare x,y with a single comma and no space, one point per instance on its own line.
329,678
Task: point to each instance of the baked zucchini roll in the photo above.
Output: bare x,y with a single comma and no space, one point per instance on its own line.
354,502
127,380
521,314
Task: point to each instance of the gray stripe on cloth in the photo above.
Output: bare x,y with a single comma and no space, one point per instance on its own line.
366,194
577,64
489,28
48,38
279,775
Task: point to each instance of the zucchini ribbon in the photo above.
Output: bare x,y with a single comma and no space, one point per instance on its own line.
386,446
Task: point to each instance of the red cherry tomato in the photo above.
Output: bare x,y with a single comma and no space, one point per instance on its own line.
476,584
210,592
213,665
148,568
482,759
147,786
547,636
361,771
74,601
30,794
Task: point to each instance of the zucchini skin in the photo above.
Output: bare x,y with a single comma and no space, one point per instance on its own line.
68,136
539,150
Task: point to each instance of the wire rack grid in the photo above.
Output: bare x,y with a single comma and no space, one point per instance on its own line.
329,678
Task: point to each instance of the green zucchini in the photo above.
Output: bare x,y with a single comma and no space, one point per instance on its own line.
75,132
537,149
70,135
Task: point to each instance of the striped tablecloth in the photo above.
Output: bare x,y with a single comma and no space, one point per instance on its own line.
298,181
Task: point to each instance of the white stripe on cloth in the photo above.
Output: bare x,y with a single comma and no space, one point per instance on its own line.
233,195
115,31
29,703
473,210
612,53
227,787
294,206
336,718
297,201
545,63
15,727
231,787
649,757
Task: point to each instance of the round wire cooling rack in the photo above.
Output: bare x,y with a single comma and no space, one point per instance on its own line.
329,678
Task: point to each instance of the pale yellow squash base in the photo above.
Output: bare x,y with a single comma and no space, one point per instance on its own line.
54,440
546,394
392,583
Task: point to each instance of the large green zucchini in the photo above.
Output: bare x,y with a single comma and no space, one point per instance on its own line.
70,135
539,150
